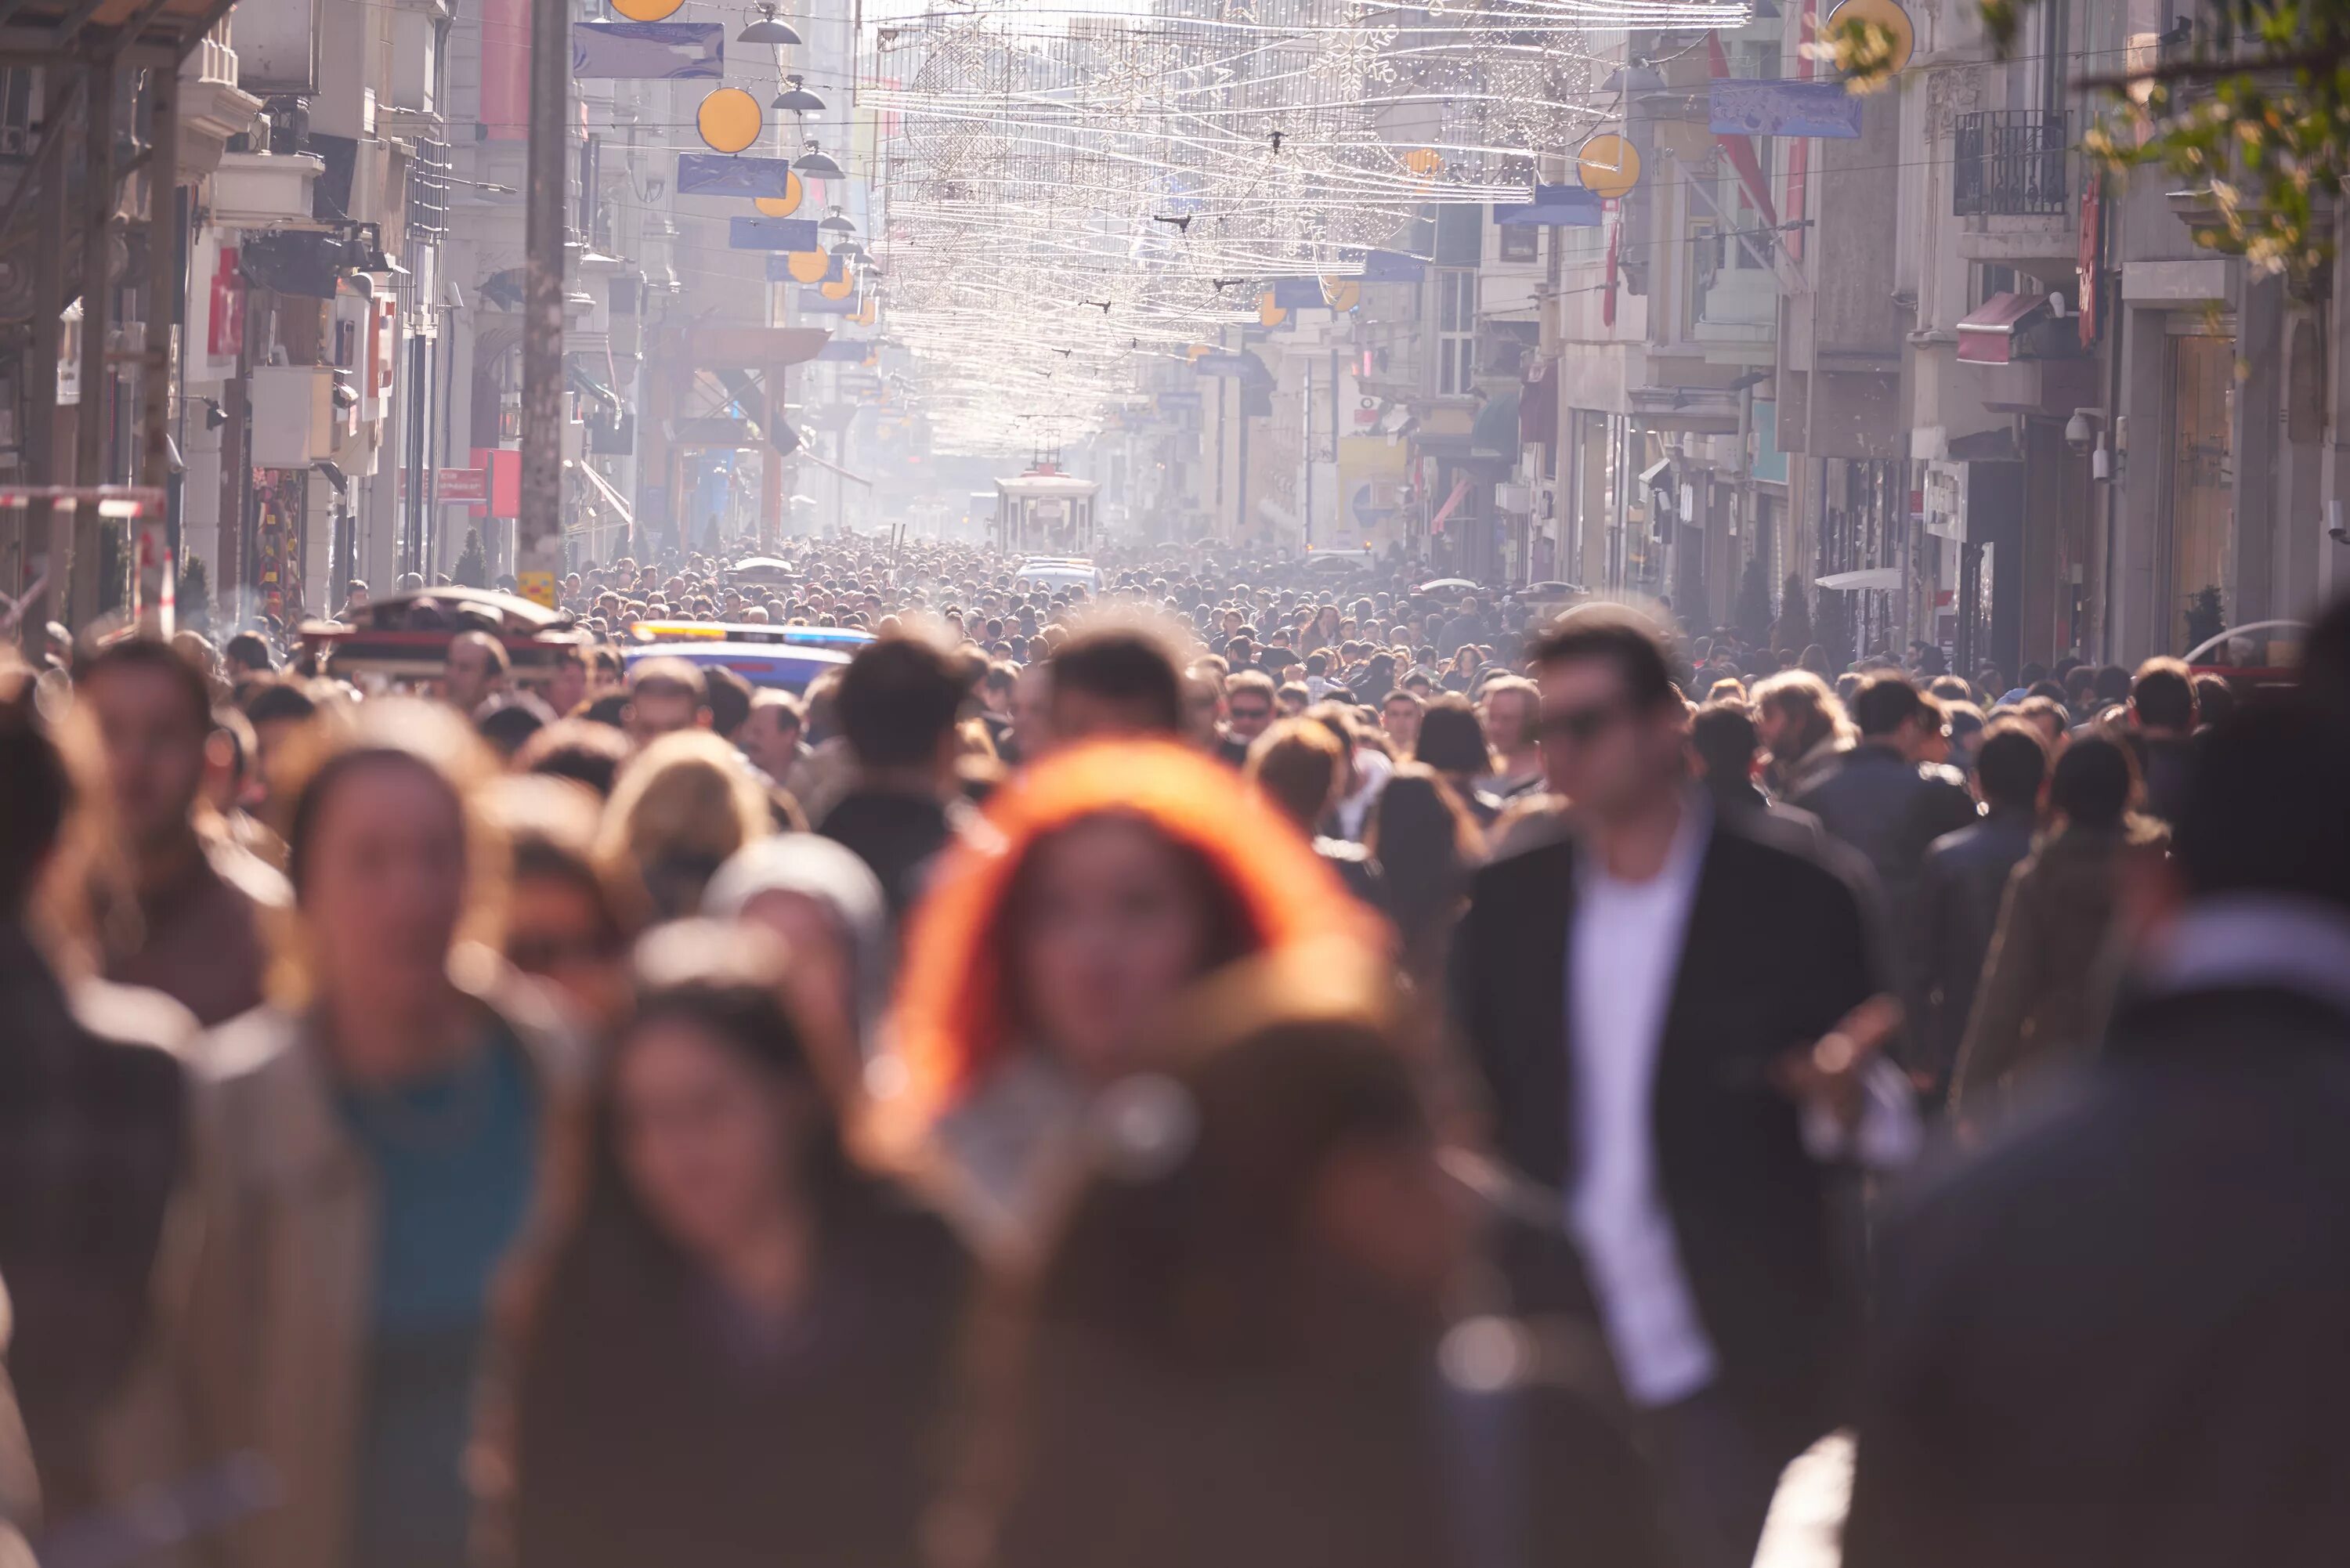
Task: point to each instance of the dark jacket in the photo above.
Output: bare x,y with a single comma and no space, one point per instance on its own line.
2115,1338
1777,951
896,832
1892,810
2044,983
1962,885
656,1424
94,1107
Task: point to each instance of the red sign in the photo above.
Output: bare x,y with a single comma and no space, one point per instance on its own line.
225,323
463,484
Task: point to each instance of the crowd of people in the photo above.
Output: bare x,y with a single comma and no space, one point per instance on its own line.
1211,1071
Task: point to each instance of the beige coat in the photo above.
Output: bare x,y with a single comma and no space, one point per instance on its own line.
264,1348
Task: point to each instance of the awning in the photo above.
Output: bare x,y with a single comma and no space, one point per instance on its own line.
604,490
1553,207
833,468
1987,336
1648,475
1443,512
1887,578
1495,431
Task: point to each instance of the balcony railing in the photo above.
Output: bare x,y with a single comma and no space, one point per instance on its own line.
2009,162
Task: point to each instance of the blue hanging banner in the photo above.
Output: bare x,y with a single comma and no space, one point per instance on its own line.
772,234
1742,107
720,174
779,269
1553,207
649,51
1299,294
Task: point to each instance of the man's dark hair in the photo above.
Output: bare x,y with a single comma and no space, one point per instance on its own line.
1630,645
249,650
730,701
578,748
279,700
136,653
1128,667
38,790
1452,737
2164,695
508,728
1883,704
2092,782
2264,811
2011,764
1722,736
2111,684
897,700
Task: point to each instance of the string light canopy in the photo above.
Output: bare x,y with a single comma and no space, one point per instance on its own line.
1073,197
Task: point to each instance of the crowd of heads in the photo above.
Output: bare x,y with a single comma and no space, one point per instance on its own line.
1105,926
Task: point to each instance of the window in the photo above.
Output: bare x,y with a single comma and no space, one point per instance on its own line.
1456,330
1461,235
1518,242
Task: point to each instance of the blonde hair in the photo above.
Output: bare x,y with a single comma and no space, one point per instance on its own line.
1805,693
686,798
339,740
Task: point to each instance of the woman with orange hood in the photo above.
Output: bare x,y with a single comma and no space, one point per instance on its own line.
1116,875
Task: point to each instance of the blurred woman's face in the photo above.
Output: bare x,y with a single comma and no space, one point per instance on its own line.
383,882
1114,927
704,1138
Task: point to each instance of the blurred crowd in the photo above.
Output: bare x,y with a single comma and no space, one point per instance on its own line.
1206,1069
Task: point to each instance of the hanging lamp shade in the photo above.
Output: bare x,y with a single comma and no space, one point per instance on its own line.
768,28
815,165
835,223
785,205
728,120
798,99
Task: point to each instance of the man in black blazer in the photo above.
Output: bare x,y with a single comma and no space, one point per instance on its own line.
2119,1335
1677,1015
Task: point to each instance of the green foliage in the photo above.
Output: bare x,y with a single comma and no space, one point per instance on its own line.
195,592
1867,52
1834,632
1794,631
472,562
1749,615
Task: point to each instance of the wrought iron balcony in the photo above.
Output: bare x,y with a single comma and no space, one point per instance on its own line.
2009,162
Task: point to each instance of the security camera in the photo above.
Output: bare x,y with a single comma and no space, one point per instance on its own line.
2077,431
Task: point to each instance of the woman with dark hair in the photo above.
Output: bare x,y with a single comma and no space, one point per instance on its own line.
1114,876
2046,981
1434,842
738,1352
1452,742
1237,1349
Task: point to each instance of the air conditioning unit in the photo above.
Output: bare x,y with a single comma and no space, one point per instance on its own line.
293,415
1515,498
265,190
